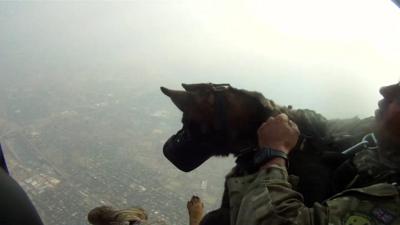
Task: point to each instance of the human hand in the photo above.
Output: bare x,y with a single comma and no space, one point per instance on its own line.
279,133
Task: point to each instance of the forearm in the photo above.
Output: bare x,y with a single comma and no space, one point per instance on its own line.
268,198
274,162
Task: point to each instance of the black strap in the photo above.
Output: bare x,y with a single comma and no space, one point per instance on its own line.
265,154
222,133
220,114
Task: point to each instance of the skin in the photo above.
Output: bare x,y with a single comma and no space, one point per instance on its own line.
278,133
388,126
388,114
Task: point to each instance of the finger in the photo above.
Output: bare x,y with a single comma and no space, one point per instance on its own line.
296,128
270,118
261,127
282,117
291,123
259,131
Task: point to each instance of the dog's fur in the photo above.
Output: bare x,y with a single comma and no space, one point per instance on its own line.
245,111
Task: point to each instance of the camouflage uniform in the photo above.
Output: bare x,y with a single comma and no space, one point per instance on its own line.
268,198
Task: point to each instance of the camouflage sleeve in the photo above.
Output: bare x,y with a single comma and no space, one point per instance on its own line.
268,198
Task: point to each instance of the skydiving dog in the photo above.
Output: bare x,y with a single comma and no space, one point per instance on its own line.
219,120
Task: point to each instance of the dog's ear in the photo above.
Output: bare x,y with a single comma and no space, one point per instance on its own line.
182,99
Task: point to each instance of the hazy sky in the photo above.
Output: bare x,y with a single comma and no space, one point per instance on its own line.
331,56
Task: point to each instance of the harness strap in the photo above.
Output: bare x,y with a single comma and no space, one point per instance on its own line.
220,113
222,132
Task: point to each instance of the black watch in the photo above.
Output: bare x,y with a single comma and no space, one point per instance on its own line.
265,154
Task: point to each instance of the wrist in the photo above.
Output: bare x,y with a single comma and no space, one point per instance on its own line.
270,156
275,162
281,148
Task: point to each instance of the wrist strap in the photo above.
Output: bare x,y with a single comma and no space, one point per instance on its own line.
272,153
266,154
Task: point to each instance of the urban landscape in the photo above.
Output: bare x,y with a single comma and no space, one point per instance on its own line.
102,152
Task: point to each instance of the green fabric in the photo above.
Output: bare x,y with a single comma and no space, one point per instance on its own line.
268,198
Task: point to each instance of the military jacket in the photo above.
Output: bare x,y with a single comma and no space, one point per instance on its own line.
268,198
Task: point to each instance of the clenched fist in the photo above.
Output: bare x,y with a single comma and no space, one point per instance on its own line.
279,133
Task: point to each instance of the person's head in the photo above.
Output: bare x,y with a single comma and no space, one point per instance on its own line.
388,123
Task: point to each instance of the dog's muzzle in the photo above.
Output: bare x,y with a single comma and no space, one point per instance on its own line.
184,152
